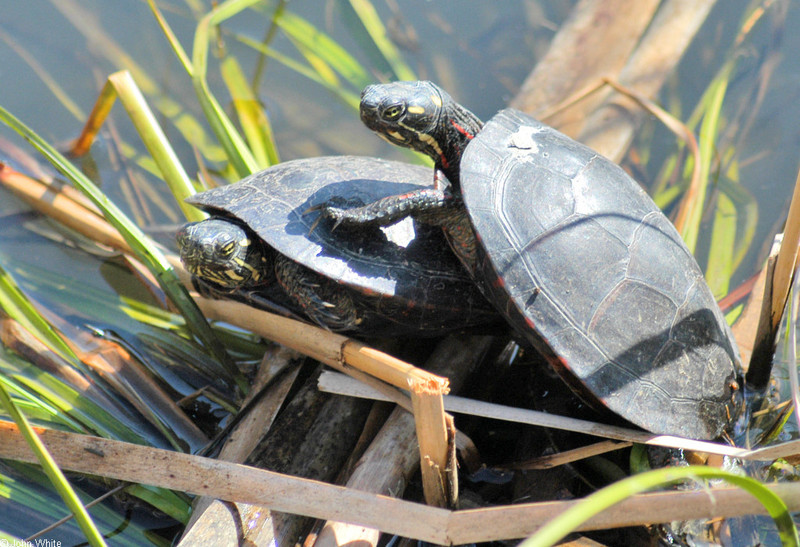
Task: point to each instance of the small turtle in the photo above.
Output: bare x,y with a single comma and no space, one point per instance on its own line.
258,246
572,252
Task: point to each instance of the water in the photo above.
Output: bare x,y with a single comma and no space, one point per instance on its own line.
480,52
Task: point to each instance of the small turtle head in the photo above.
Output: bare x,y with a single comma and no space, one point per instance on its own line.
221,252
407,114
421,116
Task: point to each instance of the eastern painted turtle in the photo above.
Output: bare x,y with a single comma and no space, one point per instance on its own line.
258,246
573,252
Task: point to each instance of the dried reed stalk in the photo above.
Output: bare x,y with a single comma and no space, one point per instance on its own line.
234,482
776,293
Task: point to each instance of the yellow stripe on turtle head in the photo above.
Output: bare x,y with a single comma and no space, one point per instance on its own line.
396,135
232,275
416,109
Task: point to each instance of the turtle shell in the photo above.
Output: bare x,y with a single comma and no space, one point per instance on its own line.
409,280
587,268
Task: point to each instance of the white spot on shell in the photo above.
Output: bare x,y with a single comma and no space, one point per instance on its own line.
523,139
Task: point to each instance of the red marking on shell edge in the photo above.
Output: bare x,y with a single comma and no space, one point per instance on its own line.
530,322
498,282
462,130
444,161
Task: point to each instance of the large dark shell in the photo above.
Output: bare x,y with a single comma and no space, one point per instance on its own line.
414,286
594,275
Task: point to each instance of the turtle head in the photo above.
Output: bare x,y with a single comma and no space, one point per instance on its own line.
421,116
221,252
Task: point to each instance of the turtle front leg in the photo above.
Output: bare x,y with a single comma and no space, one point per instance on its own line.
425,204
325,302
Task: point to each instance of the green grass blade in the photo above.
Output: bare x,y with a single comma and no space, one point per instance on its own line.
723,241
155,141
708,133
318,65
312,39
252,117
53,472
60,402
732,233
82,18
176,46
17,306
36,401
150,255
232,142
171,503
747,206
377,31
22,484
350,98
592,505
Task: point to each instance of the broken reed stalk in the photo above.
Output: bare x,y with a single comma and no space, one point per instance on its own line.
352,357
432,431
337,351
776,293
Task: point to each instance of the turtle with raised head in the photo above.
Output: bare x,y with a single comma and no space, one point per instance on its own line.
572,252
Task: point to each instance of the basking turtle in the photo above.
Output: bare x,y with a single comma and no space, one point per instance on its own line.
258,246
573,253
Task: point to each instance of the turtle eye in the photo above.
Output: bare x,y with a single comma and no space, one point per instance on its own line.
226,250
392,112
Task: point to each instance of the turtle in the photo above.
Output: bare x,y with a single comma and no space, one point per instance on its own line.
259,246
573,253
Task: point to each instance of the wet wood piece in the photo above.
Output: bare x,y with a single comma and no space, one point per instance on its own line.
215,522
756,313
609,130
314,449
393,457
596,40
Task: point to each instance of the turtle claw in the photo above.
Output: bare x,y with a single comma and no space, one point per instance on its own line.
314,225
326,210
